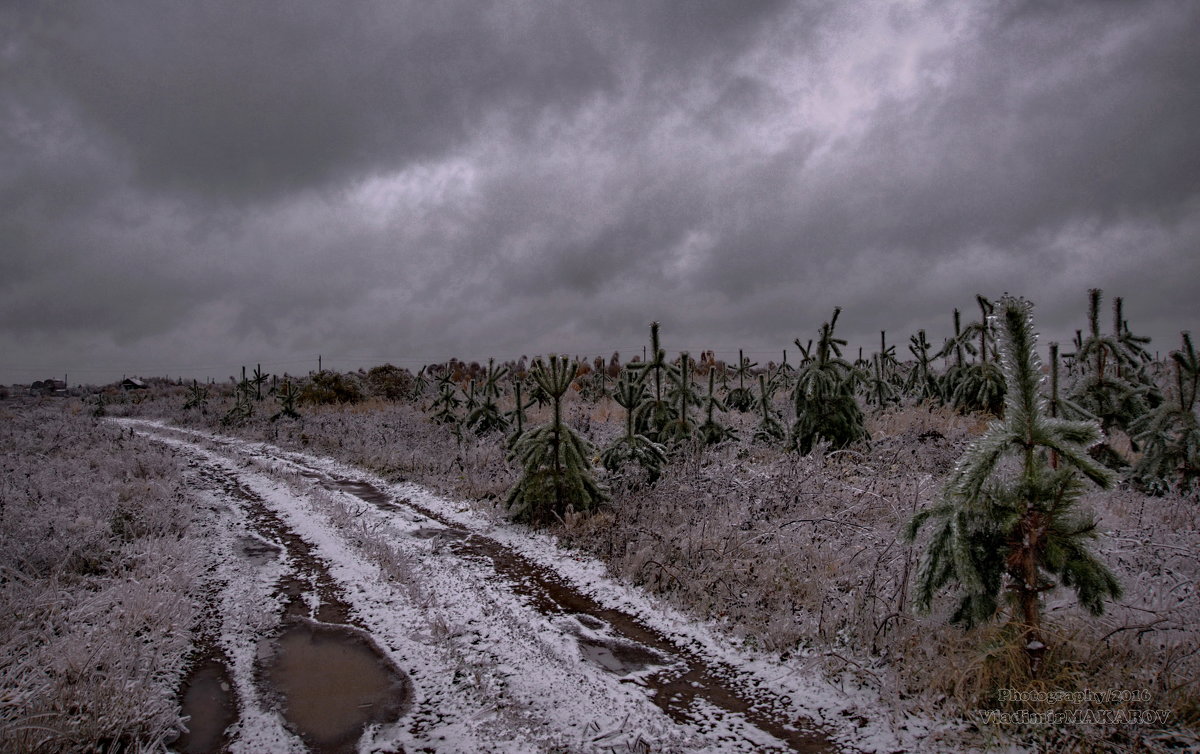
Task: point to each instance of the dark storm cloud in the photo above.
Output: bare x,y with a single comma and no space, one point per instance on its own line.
235,99
238,99
184,183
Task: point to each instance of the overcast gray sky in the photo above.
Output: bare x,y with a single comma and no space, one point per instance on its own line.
187,187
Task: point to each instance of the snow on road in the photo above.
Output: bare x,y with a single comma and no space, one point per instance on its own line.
507,642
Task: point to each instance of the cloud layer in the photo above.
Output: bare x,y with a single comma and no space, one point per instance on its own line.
188,187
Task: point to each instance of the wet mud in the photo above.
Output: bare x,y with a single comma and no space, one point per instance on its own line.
258,551
330,682
325,676
207,699
612,639
619,657
683,684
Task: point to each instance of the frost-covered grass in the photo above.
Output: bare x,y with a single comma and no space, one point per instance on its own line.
800,556
98,583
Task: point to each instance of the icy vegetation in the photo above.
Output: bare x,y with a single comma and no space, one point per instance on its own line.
800,557
765,505
100,571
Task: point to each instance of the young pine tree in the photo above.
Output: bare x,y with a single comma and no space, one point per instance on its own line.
740,398
1133,345
258,379
785,374
486,416
1170,434
769,430
880,390
824,396
286,396
980,386
711,430
556,473
197,397
517,416
445,406
1111,387
922,383
632,447
243,408
657,414
419,385
681,395
1019,533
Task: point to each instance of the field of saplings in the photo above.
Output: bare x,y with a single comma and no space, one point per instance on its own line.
985,540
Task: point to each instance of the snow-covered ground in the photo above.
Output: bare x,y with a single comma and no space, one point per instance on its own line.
510,642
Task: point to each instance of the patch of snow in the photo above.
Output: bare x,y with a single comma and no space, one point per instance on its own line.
490,673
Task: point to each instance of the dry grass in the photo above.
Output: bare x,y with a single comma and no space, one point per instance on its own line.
97,584
800,556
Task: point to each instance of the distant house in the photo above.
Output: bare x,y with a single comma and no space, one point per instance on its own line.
133,383
48,387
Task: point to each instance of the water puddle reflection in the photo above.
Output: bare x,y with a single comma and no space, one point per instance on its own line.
209,703
330,682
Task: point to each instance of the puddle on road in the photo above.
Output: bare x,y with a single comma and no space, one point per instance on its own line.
258,551
684,677
588,621
208,700
331,682
618,657
437,532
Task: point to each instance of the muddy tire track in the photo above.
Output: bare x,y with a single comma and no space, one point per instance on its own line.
206,695
714,705
320,669
685,677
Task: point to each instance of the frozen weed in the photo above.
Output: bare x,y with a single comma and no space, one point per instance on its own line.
800,556
97,587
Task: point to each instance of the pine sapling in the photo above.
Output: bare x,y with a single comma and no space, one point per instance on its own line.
711,430
785,374
420,384
881,393
658,414
953,346
1133,345
887,357
632,447
445,406
517,416
1170,433
287,396
922,384
769,430
740,398
197,398
1110,387
486,417
1017,532
556,474
258,379
980,386
682,395
824,397
243,407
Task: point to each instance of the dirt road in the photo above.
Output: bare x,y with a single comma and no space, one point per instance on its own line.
351,615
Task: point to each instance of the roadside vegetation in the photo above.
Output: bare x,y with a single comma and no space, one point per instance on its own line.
1051,511
100,583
